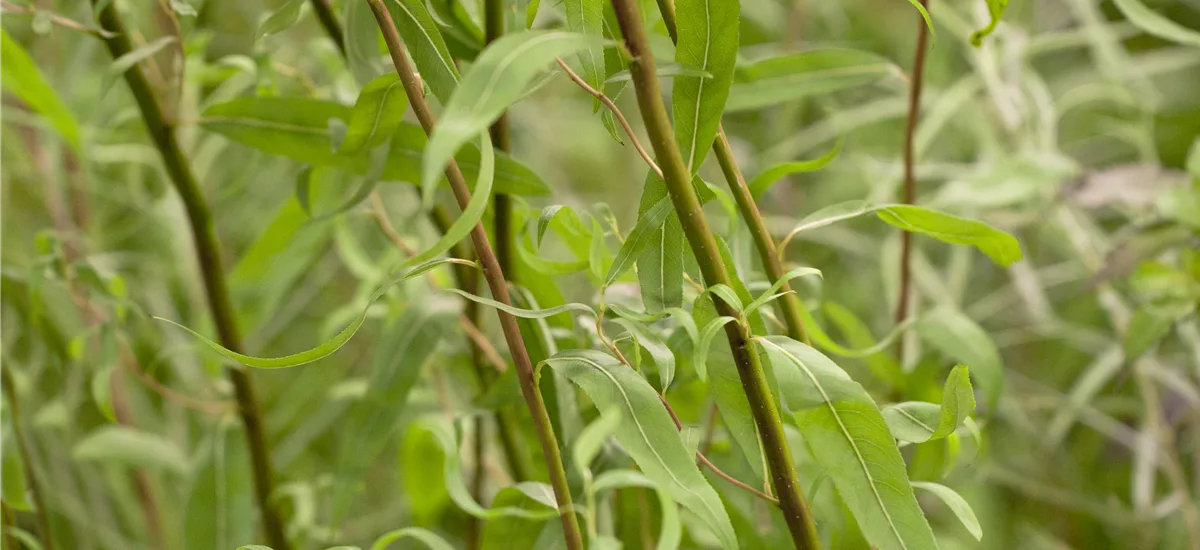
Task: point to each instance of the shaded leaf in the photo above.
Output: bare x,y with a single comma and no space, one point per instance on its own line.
960,338
281,20
1155,24
376,114
431,540
917,422
956,503
130,447
791,77
708,41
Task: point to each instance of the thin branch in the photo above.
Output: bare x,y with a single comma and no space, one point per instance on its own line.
330,22
910,184
616,113
494,275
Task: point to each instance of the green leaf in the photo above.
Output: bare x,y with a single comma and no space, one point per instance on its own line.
430,539
960,338
1156,24
21,77
929,22
443,433
770,293
795,76
660,264
671,532
995,12
956,503
664,360
647,433
700,357
917,422
327,348
481,195
428,49
424,476
499,77
592,438
218,512
587,17
130,447
661,71
526,313
1001,247
12,474
846,433
130,60
376,114
648,229
361,33
765,179
513,533
281,20
708,40
1147,326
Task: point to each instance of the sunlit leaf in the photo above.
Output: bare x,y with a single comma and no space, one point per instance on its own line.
846,433
917,421
647,433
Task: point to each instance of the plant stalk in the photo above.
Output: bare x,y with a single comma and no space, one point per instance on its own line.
910,184
209,258
31,479
493,14
687,206
789,304
330,22
494,276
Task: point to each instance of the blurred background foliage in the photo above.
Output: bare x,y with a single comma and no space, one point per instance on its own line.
1071,127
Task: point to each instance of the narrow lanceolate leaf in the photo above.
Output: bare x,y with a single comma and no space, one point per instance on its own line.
498,78
648,228
512,533
446,437
960,338
995,12
431,540
1154,23
481,195
526,313
1001,247
917,421
21,77
376,114
327,348
765,179
427,47
956,503
708,41
130,447
664,359
587,17
660,263
647,433
281,20
361,33
795,76
846,433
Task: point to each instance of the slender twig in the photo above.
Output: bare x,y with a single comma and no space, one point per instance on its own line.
703,243
31,478
329,21
910,184
708,463
495,280
209,259
789,305
616,113
52,17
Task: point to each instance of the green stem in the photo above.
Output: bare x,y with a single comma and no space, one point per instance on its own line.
788,305
329,21
703,243
496,283
31,479
502,224
209,259
910,184
7,523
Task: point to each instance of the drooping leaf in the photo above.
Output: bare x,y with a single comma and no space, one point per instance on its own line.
376,114
710,331
956,503
587,17
592,438
526,313
791,77
431,540
959,337
123,445
664,360
499,77
917,421
481,195
765,179
21,77
647,230
510,533
647,433
708,41
1001,247
445,435
281,20
846,433
218,513
327,348
995,12
920,6
427,46
422,469
1155,23
770,293
660,264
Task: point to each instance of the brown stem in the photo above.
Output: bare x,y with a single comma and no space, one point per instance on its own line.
703,244
209,259
789,304
31,478
910,184
495,280
329,21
